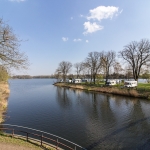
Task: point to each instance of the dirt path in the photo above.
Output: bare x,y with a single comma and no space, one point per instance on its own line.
7,146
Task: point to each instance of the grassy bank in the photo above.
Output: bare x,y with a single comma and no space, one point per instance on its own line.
142,91
4,93
22,143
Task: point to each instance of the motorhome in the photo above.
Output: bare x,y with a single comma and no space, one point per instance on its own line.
77,80
111,82
130,83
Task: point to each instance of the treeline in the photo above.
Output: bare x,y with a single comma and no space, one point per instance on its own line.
32,77
131,62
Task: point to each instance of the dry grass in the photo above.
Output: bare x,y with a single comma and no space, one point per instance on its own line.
18,142
4,93
112,90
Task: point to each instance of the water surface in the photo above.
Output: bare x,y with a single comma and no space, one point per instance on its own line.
92,120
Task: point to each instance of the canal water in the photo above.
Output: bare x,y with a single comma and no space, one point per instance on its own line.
92,120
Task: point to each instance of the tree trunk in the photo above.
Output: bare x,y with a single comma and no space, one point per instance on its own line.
94,78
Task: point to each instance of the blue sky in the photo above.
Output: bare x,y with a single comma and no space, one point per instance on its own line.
67,30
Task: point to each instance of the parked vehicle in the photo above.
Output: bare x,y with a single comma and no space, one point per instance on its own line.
77,80
111,82
130,83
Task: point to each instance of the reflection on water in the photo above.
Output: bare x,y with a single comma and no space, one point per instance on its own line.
92,120
63,97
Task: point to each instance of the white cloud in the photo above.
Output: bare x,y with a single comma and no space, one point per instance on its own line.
87,41
103,12
65,39
77,40
91,27
17,0
81,16
71,18
98,14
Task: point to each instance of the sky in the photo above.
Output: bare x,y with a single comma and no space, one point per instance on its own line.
67,30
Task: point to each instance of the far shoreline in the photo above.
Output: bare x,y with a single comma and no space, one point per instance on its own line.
129,92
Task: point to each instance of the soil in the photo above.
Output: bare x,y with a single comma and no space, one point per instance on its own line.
7,146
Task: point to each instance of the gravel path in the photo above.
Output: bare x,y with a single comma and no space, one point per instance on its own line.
4,146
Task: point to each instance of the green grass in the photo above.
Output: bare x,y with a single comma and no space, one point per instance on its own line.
92,84
143,87
6,139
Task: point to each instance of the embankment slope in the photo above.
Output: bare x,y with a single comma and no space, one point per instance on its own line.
4,93
111,90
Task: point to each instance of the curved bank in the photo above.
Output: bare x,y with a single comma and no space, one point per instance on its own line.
111,90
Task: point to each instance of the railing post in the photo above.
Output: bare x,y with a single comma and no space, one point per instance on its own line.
27,136
75,148
57,143
13,133
41,139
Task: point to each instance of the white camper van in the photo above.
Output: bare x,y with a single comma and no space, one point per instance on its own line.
111,82
130,83
77,80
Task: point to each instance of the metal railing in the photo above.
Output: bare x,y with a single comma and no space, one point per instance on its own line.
43,138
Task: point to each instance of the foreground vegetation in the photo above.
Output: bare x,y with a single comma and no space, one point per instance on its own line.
4,93
5,139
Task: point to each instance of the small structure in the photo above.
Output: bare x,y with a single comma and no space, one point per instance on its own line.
130,83
77,80
111,82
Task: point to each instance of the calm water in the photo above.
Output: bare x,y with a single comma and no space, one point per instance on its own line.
92,120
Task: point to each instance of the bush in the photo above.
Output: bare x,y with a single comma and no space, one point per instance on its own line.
3,74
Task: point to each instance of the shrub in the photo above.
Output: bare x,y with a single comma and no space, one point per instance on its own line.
3,74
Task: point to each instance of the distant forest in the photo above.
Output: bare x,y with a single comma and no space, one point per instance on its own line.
31,77
73,76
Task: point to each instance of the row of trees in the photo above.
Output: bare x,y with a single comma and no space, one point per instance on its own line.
136,55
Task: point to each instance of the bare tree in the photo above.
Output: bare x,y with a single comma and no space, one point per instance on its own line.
86,70
128,72
78,67
10,55
137,55
117,69
146,75
93,62
107,59
3,74
64,68
57,74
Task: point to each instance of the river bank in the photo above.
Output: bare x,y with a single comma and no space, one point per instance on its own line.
8,142
4,93
111,90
